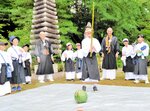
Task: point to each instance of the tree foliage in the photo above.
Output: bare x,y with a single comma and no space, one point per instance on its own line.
128,18
16,19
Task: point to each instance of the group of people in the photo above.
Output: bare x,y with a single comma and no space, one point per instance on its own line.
15,62
14,66
134,58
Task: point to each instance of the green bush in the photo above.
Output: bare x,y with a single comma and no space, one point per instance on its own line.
119,63
60,66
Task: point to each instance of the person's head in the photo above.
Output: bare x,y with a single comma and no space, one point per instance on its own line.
78,46
88,32
109,31
69,46
26,47
14,40
140,38
126,42
3,46
42,35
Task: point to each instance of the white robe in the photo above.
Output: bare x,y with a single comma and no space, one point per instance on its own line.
7,59
86,46
15,52
90,72
78,54
6,87
70,55
143,54
126,52
27,56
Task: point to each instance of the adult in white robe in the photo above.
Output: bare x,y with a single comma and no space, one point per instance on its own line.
90,46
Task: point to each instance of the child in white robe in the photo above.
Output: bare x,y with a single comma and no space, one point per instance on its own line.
68,58
6,68
142,51
127,58
18,75
79,56
27,62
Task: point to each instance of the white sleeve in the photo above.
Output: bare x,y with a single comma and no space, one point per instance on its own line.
133,53
9,51
97,46
85,48
123,52
30,58
146,51
75,54
0,67
10,62
62,56
135,48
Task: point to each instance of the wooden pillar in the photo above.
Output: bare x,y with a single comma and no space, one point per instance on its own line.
45,19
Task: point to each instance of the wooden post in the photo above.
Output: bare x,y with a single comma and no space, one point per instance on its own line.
45,19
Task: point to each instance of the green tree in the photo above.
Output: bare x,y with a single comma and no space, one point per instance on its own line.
21,15
144,24
128,18
67,27
16,17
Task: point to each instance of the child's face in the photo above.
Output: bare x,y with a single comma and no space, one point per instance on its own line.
2,47
15,42
140,40
125,43
78,47
26,49
70,47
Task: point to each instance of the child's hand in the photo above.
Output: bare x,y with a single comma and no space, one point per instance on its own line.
52,59
65,55
117,55
102,55
38,59
21,50
138,51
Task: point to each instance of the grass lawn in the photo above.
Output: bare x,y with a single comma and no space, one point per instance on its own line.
59,78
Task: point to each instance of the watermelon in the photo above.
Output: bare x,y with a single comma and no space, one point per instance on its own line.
80,96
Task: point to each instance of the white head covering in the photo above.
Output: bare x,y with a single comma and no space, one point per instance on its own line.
125,40
68,44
